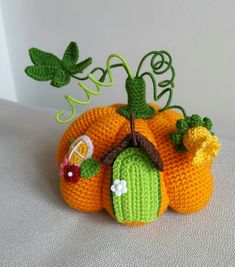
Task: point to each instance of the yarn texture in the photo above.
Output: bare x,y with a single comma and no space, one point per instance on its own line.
202,144
89,168
133,160
184,186
141,202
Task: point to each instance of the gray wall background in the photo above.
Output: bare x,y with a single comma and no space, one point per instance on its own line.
200,35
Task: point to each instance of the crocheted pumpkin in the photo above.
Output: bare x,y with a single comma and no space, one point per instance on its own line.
134,160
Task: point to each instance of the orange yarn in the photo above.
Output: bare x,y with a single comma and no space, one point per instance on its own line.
186,187
189,186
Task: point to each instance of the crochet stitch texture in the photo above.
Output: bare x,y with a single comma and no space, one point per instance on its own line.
187,188
133,160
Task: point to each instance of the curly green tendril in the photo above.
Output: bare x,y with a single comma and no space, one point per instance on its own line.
98,83
48,67
161,63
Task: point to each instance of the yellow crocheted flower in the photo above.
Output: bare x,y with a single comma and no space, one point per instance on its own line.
201,143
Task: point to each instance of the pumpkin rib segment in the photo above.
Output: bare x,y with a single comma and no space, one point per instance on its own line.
104,134
164,196
189,187
169,115
85,195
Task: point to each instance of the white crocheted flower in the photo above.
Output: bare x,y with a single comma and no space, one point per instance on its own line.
119,187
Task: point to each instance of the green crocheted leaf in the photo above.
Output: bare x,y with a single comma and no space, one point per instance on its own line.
80,67
195,121
89,168
207,123
176,138
71,55
41,58
61,78
182,126
187,119
40,73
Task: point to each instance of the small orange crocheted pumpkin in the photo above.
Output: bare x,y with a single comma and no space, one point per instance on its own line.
136,159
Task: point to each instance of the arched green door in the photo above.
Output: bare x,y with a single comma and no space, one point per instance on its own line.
140,201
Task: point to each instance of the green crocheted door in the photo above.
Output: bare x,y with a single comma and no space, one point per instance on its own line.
135,187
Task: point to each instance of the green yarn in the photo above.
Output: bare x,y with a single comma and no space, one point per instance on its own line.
182,126
89,92
70,58
195,121
181,148
41,73
207,123
187,119
41,58
49,67
71,140
61,78
80,67
89,168
71,55
176,138
136,92
141,203
161,64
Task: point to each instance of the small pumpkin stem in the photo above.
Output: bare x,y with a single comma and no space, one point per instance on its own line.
136,92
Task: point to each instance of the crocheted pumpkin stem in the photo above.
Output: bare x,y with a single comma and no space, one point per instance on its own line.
136,92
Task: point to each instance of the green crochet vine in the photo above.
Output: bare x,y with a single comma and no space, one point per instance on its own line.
48,67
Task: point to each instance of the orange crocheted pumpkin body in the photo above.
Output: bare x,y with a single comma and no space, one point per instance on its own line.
186,187
133,160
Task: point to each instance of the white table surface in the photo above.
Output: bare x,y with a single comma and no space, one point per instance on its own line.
38,229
